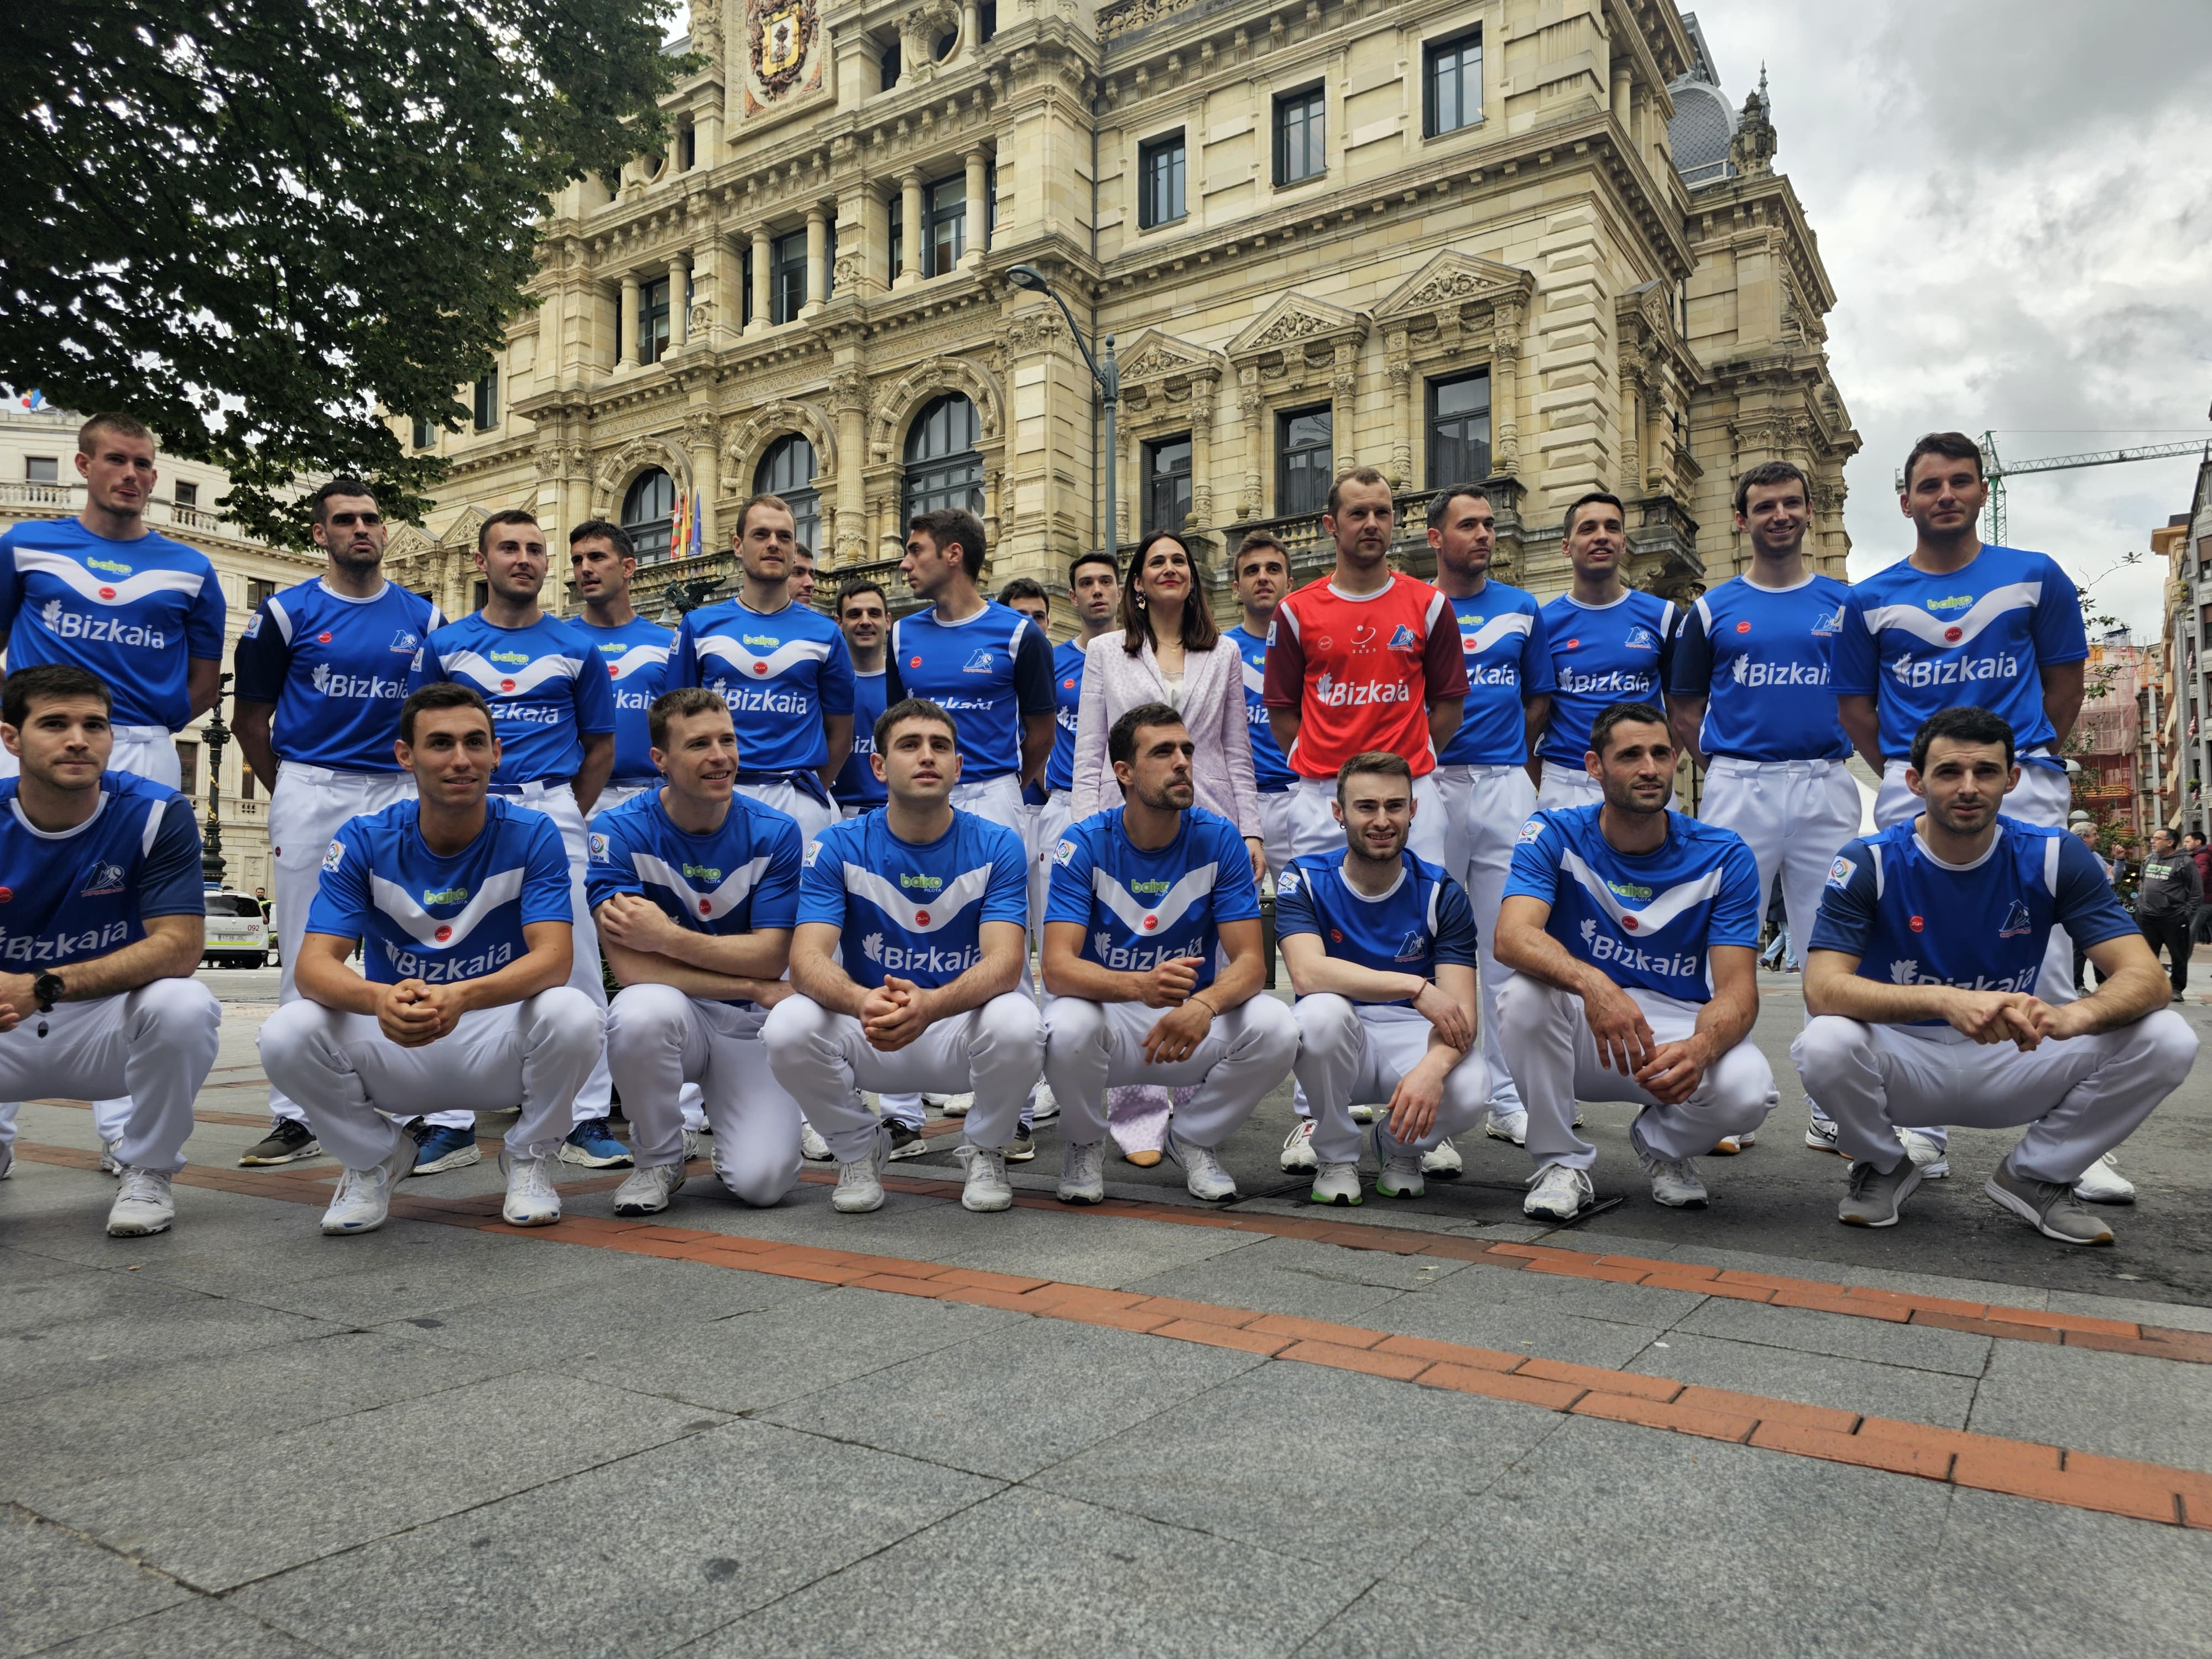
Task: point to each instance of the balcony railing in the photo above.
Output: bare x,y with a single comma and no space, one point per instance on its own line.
61,500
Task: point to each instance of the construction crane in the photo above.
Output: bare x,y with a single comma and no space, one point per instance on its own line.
1996,471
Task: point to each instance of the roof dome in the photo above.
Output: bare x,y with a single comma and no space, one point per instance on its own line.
1699,135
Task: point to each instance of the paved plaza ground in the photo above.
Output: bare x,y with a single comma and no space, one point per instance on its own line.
1148,1429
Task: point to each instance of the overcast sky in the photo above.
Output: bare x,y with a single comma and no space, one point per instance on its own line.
2018,223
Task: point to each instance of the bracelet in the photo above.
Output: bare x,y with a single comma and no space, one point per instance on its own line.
1211,1010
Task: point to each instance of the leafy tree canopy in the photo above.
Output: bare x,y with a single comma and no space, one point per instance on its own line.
255,223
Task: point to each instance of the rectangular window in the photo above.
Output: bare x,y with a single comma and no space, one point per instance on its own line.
1160,181
944,212
41,469
187,495
889,67
422,437
990,202
1302,465
258,589
248,785
829,259
1459,430
1167,484
897,221
1451,83
745,286
653,321
687,148
1300,129
188,770
478,594
488,402
787,280
987,21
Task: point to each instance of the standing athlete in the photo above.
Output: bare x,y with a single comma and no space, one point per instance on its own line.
1263,576
1366,658
1094,586
553,711
802,574
602,563
322,669
1607,641
1750,692
863,619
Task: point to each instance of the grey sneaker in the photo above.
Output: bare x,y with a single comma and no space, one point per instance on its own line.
648,1189
1875,1197
109,1162
1082,1174
1511,1126
1297,1147
142,1204
1821,1135
1336,1183
1203,1176
1559,1194
2051,1205
1676,1182
986,1188
1442,1159
811,1147
859,1183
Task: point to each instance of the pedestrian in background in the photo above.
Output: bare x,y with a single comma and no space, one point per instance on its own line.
2171,895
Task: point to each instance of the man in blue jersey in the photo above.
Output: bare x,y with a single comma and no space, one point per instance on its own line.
321,672
553,709
1263,577
102,923
930,906
1606,640
1143,897
1632,931
1921,975
696,891
863,616
1381,946
460,901
1482,776
1750,692
602,563
783,668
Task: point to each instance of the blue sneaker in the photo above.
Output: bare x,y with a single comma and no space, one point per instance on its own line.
441,1148
593,1145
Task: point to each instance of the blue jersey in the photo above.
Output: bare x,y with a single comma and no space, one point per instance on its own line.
858,784
335,669
781,673
1139,909
76,894
1760,658
914,911
133,613
1269,770
1509,661
1912,921
1424,919
1642,920
636,656
543,683
1067,660
740,878
1601,656
1917,643
441,919
987,672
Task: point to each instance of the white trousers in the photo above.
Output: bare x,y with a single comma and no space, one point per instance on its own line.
1048,823
659,1041
1485,807
152,1049
621,794
1274,830
999,799
1091,1046
1352,1052
308,808
1313,827
814,815
1566,784
824,1060
1555,1060
2079,1098
352,1078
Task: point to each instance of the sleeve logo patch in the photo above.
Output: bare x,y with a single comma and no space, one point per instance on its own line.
1286,884
252,627
599,846
1534,828
335,857
1839,873
1064,854
813,851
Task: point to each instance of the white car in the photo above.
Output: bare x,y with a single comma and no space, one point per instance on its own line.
237,934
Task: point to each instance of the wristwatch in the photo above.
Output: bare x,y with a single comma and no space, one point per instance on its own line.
47,988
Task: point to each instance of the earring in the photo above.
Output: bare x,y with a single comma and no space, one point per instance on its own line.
1141,602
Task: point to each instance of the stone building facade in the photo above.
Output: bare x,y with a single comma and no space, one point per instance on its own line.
1524,241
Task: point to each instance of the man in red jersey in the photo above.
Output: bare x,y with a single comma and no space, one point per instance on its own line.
1366,659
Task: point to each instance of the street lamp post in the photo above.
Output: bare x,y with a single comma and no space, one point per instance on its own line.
1107,374
216,735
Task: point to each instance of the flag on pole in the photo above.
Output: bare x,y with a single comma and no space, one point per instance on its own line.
679,532
693,532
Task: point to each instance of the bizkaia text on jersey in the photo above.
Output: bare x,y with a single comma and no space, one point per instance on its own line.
1917,672
66,624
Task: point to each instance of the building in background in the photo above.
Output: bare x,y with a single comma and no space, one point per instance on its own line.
2113,783
2185,541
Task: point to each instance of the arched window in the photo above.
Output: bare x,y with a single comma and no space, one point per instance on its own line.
943,468
788,469
648,509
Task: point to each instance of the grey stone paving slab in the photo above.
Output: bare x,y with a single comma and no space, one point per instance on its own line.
219,1520
1346,1265
1011,1403
1850,1385
1334,1465
2121,1404
203,1628
632,1557
2175,1315
1398,1621
1591,1298
1031,1573
54,1586
454,1267
1528,1326
19,1266
1105,1251
1244,1278
1883,1341
85,1329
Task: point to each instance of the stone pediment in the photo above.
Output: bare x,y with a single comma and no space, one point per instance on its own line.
406,540
1450,284
462,532
1159,357
1297,322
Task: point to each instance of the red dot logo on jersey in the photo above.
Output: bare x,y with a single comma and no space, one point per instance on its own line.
1743,627
1571,644
442,934
613,672
1335,937
1630,923
706,907
322,639
913,662
922,918
106,592
1070,684
760,668
6,894
1952,635
1915,924
507,685
1151,922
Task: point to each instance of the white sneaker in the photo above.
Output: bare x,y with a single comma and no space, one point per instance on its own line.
695,1144
648,1189
1203,1174
1442,1159
986,1188
1507,1125
811,1147
1083,1173
2103,1183
1366,1112
948,1105
142,1205
1675,1182
1337,1183
1560,1194
1297,1147
1927,1154
363,1200
1044,1105
859,1183
1401,1176
1821,1135
109,1163
532,1200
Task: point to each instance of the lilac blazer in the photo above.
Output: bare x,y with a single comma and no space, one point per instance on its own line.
1113,683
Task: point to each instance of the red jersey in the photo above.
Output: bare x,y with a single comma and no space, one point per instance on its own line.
1362,671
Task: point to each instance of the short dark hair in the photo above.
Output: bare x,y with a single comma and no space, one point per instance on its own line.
1024,588
2192,834
945,525
682,701
2156,833
1122,738
763,498
912,709
442,694
604,529
855,585
123,426
1626,713
1440,503
1951,445
1096,556
1766,474
1358,474
505,515
319,504
1967,724
1383,763
1567,524
1258,541
52,680
1200,631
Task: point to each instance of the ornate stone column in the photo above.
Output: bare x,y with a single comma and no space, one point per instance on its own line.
761,277
679,309
701,432
979,207
1505,401
817,255
848,396
971,29
1201,449
1253,408
1398,365
1343,404
626,325
910,232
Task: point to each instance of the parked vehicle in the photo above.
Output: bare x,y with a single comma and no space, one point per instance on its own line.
237,936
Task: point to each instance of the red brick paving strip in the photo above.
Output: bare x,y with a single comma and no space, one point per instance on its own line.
2052,1474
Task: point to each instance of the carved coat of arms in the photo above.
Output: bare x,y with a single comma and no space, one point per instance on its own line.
780,39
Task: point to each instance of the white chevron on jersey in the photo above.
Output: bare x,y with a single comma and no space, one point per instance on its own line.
445,933
714,904
956,895
88,585
637,656
1255,680
284,619
1654,916
509,681
754,666
1513,621
146,836
1936,630
1191,886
